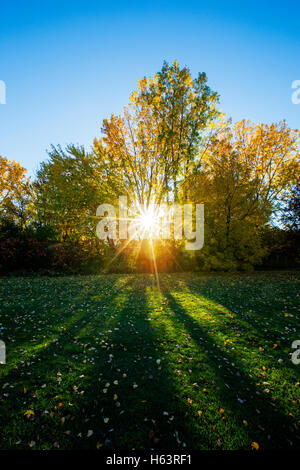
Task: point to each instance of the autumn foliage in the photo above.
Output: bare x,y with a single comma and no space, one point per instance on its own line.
171,144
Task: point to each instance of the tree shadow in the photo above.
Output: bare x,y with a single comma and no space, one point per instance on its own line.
251,294
141,410
147,412
266,424
246,317
147,408
25,381
61,321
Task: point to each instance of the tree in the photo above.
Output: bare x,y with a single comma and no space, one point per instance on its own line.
291,214
15,193
244,173
68,189
155,143
272,153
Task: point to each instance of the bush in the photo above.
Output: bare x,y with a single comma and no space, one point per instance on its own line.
23,254
75,258
283,248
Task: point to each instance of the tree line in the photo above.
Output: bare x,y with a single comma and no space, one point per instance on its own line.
171,144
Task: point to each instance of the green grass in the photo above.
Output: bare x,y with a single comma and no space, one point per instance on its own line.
202,362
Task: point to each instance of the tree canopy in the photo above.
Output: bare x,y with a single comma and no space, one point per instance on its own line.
170,145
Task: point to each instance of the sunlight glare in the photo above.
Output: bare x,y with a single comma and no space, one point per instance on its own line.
148,221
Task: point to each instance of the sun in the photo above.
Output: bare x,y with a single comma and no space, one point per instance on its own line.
148,221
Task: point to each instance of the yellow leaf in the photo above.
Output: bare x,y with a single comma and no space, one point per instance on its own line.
29,413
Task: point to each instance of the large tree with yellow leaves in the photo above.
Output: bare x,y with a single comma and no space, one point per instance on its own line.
156,141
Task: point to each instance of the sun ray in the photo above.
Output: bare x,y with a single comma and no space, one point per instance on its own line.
154,264
145,224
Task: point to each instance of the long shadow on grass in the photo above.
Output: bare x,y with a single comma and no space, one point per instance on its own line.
267,421
25,384
135,418
142,407
252,326
64,320
263,307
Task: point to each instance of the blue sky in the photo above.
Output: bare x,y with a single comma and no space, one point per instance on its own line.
69,64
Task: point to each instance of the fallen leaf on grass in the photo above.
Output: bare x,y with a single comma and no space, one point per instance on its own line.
29,413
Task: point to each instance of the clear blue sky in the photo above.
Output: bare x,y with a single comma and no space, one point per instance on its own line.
69,64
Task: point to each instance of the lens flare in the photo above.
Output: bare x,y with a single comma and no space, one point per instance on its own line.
148,221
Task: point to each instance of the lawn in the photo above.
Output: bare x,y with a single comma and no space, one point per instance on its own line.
118,362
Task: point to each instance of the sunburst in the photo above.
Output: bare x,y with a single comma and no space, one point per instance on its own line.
147,221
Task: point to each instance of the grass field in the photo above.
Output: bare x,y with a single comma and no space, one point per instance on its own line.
116,362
